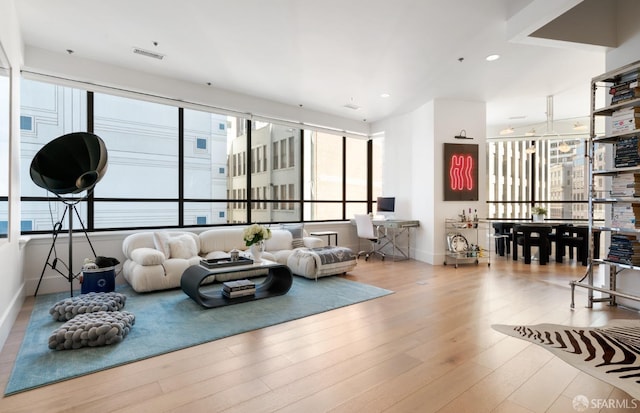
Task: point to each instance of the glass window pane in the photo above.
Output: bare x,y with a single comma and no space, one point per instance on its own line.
279,183
4,153
142,143
206,166
135,214
43,215
376,167
322,211
206,213
55,111
356,208
322,175
356,173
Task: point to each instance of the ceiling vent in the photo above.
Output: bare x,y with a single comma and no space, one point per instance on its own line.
352,106
147,53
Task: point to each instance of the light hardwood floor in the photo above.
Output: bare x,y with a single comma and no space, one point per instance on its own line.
428,347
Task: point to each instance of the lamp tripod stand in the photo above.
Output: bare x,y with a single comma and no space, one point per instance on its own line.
70,164
69,210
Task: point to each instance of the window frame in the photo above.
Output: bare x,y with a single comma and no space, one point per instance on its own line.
239,165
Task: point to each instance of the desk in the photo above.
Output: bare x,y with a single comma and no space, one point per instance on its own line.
397,227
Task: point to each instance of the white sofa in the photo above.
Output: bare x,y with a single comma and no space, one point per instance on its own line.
156,260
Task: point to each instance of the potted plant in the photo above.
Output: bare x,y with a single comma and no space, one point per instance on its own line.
254,236
538,213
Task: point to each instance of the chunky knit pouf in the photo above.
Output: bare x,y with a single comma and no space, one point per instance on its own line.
87,303
101,328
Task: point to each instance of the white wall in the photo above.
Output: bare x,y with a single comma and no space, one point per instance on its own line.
414,163
111,79
11,254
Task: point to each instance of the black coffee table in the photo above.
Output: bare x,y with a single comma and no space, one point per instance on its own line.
278,282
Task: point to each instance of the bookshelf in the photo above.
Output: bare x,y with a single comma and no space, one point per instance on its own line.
621,93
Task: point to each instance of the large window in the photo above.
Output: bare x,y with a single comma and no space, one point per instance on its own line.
171,166
539,172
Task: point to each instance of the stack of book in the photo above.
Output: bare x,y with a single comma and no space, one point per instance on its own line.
625,120
238,288
624,215
627,152
626,185
625,89
624,249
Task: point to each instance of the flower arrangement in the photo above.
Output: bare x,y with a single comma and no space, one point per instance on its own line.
255,233
539,210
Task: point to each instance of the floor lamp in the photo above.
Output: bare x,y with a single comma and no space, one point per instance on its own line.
70,164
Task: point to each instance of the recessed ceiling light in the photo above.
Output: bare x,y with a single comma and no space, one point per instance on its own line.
384,95
492,57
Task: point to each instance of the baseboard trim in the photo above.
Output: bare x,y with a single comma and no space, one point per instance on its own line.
11,314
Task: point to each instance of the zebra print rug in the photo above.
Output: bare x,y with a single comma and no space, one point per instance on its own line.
610,353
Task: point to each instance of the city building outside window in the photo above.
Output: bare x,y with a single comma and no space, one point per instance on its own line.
148,185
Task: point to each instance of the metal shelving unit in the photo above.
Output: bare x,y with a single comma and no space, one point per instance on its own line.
602,83
462,236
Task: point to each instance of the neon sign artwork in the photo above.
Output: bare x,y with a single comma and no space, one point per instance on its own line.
460,172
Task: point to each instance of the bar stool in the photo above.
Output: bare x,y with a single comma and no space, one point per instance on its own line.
503,237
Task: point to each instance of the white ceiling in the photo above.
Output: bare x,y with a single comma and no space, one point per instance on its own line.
324,54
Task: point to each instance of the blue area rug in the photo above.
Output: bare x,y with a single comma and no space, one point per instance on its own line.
167,321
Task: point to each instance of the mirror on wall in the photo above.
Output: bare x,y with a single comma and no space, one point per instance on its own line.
4,146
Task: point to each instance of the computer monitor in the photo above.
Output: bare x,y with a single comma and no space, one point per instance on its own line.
386,206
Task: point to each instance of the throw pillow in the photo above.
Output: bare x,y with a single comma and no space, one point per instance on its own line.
297,243
183,246
147,256
297,232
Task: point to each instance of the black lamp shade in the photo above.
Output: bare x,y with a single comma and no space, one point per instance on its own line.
70,164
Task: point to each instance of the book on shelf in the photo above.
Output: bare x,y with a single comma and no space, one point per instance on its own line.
624,249
626,119
625,95
625,81
623,216
238,285
626,185
224,262
624,86
627,152
240,293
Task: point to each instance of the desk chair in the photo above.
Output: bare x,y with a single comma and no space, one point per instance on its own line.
366,230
